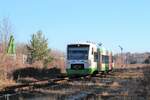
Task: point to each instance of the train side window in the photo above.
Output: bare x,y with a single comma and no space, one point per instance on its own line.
92,51
95,56
105,59
112,60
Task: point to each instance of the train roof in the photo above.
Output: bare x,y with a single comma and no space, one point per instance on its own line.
102,49
83,43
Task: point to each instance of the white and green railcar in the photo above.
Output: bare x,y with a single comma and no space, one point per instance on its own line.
87,58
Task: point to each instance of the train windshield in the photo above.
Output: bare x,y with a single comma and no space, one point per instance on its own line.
78,52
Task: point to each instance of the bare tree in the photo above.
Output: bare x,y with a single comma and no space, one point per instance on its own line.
5,32
21,48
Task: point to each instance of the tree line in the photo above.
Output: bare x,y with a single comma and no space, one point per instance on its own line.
36,50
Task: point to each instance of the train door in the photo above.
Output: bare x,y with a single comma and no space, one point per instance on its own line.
98,59
110,61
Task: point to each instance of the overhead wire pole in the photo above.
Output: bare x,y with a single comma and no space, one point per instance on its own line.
121,49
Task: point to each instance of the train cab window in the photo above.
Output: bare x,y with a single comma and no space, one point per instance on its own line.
95,56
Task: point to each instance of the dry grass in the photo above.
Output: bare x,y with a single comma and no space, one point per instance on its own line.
8,64
6,82
105,94
129,74
115,85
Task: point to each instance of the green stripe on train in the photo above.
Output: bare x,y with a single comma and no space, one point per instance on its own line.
81,72
105,67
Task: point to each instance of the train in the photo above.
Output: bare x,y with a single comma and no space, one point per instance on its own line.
88,58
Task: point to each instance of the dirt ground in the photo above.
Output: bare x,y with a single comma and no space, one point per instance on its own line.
122,84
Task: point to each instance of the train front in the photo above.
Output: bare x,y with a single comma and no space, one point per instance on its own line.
77,59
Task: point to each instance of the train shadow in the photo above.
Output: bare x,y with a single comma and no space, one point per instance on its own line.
36,73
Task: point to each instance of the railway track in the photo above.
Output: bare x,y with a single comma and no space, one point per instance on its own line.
50,82
55,82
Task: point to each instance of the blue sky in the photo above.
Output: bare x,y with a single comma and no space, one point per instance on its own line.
112,22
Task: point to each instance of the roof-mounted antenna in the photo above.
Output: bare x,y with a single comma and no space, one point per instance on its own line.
88,41
100,44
